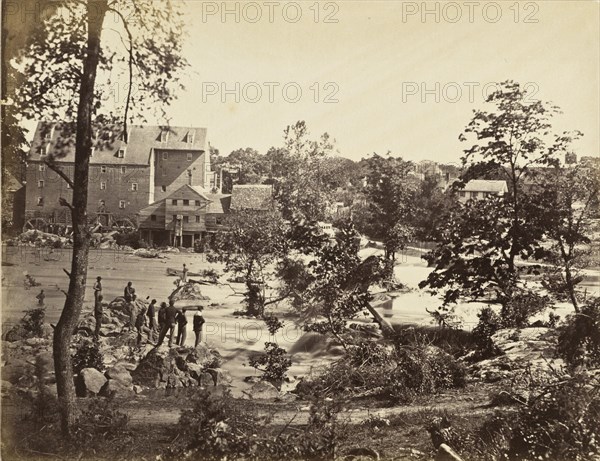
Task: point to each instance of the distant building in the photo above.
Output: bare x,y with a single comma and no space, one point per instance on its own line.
124,177
257,197
188,214
478,189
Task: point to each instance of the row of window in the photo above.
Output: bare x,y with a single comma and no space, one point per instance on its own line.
186,202
186,219
134,185
122,203
103,168
476,194
190,156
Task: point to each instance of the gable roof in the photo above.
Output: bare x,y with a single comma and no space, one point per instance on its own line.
252,197
10,183
142,139
219,203
216,203
486,185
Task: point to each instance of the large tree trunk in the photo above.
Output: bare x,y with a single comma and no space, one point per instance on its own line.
81,238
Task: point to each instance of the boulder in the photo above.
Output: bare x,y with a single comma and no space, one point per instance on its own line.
114,388
89,382
220,377
146,253
119,374
206,380
262,390
445,453
19,372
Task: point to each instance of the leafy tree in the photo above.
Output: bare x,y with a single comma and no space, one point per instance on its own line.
254,241
296,172
59,68
481,241
334,286
388,202
566,200
431,208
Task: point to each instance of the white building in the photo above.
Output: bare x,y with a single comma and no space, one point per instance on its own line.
478,189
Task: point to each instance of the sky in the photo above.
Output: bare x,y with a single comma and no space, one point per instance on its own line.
380,76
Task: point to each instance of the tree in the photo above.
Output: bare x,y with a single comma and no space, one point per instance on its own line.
252,243
481,241
295,171
333,287
61,63
389,201
566,200
431,208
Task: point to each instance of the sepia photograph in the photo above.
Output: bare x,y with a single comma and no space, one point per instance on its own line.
349,230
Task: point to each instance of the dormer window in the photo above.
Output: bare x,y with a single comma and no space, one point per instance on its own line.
190,156
164,136
121,152
190,137
49,133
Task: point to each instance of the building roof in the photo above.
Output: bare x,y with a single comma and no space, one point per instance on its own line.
10,183
485,185
219,203
252,197
142,139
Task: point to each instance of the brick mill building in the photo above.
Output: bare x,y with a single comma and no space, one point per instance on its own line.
125,177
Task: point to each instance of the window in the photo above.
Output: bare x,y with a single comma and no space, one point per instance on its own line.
186,202
219,221
462,193
102,185
123,170
474,194
198,203
174,201
189,157
164,136
42,167
174,217
40,201
152,217
49,133
163,188
186,219
103,169
121,152
165,155
197,218
121,204
134,186
92,150
190,137
41,183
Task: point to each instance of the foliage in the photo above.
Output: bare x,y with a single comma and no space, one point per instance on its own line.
481,240
130,239
559,421
489,323
274,363
431,207
579,339
456,342
338,283
397,375
252,243
33,322
388,194
88,355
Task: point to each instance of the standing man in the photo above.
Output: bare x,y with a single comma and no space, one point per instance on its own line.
98,288
140,321
170,314
40,297
184,274
181,328
129,292
198,324
151,323
98,314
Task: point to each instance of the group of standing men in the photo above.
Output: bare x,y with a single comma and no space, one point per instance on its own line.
168,317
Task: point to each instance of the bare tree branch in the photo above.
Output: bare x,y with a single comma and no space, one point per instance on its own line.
58,170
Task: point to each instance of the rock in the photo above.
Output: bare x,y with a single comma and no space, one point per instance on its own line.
252,379
206,380
114,388
146,253
288,397
119,374
220,376
16,333
5,388
89,382
138,389
18,372
445,453
262,390
362,453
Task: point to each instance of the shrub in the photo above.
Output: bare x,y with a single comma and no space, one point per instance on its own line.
516,312
33,322
274,364
88,355
559,421
489,323
579,339
130,239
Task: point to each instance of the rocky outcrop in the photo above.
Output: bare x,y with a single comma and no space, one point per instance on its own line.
262,390
445,453
174,367
531,349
